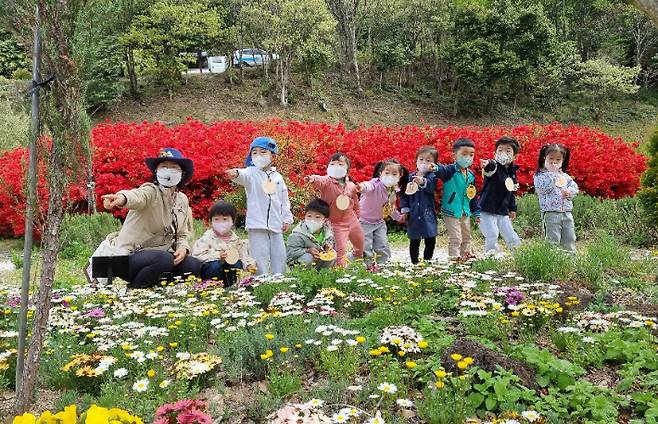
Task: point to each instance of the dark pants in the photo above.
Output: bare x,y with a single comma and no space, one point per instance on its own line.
146,267
221,271
414,249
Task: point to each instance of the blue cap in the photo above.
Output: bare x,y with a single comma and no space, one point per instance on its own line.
266,143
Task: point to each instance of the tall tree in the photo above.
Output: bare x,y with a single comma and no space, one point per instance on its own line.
66,120
293,27
650,7
345,13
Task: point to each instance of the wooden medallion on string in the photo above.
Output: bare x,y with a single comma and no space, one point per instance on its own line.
232,256
561,181
471,191
342,202
269,187
509,184
412,188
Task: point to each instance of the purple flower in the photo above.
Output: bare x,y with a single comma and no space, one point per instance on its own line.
95,313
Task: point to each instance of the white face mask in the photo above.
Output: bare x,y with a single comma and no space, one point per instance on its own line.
503,158
168,177
422,167
313,225
336,171
550,167
261,162
222,227
389,180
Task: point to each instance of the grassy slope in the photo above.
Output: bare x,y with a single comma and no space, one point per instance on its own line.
211,98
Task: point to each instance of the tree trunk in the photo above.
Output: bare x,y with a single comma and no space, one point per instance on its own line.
284,67
649,7
130,67
344,11
65,118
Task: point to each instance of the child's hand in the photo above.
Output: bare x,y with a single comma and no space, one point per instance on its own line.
308,178
403,218
327,247
232,173
566,193
285,227
360,187
477,220
419,180
223,254
512,215
314,252
484,163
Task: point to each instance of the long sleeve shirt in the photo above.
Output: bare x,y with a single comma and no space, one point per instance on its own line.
374,198
550,195
265,211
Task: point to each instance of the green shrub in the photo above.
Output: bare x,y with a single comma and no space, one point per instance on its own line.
13,126
623,218
649,194
81,234
542,261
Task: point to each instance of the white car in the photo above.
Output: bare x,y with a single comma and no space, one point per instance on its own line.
210,64
252,57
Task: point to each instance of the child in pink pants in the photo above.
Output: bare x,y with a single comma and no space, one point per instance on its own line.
342,196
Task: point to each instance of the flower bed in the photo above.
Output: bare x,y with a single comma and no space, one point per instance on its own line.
602,165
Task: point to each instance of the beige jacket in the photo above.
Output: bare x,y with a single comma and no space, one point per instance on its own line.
150,221
207,248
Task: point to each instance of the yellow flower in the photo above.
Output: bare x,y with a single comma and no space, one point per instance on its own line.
375,352
97,415
422,344
396,341
173,344
151,373
440,384
401,353
68,416
360,339
462,365
269,336
411,364
440,373
384,349
26,418
456,357
468,360
298,345
160,348
284,349
515,313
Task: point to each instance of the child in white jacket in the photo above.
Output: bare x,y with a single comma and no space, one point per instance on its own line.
268,206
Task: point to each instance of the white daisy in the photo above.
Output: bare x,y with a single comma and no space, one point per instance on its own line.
141,385
405,403
120,373
531,416
388,388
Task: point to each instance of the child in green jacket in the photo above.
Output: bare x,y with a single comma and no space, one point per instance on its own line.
311,243
458,201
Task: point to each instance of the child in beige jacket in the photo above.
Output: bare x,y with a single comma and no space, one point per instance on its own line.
220,250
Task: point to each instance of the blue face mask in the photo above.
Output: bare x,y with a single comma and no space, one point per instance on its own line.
464,161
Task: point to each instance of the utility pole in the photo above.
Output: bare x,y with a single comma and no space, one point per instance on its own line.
31,200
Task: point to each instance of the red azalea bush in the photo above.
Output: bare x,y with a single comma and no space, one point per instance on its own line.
602,165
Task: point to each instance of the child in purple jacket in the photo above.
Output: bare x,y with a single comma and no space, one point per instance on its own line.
378,202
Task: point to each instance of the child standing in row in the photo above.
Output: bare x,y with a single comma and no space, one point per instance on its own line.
268,205
556,190
497,202
458,201
378,202
312,237
417,202
341,194
220,250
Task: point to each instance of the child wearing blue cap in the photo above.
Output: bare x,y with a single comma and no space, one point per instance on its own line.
268,205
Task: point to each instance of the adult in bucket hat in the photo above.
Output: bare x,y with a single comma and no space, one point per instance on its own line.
157,232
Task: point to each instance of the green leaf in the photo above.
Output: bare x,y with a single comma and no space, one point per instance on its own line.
475,399
490,403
